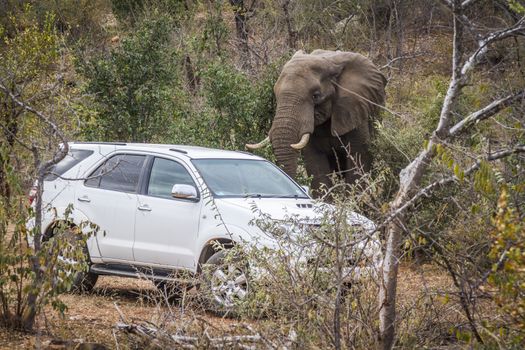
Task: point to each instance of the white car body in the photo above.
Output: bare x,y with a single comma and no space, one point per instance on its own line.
140,230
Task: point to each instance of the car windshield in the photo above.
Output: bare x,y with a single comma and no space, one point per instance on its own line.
246,178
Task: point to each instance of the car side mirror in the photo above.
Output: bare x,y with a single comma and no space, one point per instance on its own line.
183,191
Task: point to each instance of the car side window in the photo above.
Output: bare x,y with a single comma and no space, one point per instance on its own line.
74,157
119,173
164,174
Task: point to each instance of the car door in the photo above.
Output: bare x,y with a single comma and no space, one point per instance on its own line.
108,198
166,228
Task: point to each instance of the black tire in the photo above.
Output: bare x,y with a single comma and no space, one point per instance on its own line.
225,284
84,281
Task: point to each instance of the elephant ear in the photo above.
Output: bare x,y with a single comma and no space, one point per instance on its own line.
357,82
298,53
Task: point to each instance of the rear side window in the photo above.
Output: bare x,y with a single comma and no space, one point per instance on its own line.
74,157
119,173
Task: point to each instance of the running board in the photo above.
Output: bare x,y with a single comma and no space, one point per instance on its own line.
135,272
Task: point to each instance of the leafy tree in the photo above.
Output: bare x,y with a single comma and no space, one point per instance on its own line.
244,109
133,86
32,88
27,56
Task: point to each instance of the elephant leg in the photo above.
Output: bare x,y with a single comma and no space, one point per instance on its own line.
317,165
359,161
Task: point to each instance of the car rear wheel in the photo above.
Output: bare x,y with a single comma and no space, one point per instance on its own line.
83,281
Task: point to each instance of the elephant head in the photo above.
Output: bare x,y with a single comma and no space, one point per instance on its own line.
342,87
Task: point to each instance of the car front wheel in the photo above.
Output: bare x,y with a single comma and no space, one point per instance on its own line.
225,283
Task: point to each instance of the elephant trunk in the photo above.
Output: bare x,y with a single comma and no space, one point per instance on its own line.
286,156
288,126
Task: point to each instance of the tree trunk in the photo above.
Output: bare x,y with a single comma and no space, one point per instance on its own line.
388,287
193,80
292,34
239,11
410,179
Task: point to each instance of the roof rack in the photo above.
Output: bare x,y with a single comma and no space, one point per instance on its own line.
178,150
100,143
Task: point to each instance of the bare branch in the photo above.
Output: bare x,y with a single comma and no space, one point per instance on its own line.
486,112
122,317
16,138
456,81
459,73
393,60
467,3
517,29
447,3
159,336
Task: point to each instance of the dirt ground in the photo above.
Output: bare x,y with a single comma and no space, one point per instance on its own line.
92,317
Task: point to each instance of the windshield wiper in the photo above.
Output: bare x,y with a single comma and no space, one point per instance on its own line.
253,195
258,195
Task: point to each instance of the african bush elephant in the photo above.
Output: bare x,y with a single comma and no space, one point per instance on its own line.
326,102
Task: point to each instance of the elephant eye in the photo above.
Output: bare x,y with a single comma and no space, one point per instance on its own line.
316,96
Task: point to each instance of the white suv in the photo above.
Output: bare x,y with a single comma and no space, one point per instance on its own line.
167,208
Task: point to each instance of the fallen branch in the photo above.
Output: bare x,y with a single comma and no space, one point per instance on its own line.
163,339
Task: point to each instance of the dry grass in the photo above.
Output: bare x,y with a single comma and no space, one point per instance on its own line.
92,317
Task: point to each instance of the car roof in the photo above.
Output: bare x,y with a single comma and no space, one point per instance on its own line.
193,152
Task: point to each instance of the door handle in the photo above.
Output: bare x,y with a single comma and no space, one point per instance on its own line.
144,207
84,199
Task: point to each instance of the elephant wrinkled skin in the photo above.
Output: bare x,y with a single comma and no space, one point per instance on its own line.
332,97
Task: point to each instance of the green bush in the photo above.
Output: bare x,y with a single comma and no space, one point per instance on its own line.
76,19
244,109
134,85
233,109
508,274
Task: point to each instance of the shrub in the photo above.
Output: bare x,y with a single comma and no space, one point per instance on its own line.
133,87
233,109
508,273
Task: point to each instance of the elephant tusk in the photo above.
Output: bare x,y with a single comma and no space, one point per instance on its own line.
258,145
304,141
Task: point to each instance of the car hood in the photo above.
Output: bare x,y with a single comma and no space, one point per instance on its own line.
273,208
281,209
295,214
